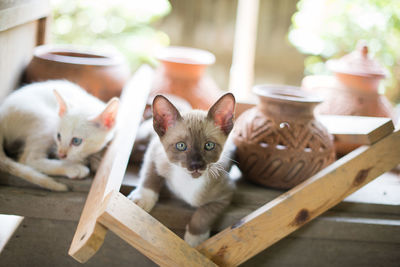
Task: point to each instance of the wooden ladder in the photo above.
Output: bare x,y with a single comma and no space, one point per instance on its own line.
107,209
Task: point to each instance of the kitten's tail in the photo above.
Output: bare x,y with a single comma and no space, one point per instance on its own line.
27,173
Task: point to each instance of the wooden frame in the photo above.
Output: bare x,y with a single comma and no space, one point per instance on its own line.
107,209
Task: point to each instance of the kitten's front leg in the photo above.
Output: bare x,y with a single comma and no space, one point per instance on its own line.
198,229
59,167
146,194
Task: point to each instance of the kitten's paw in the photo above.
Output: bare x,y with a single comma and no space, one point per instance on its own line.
144,198
195,240
77,171
57,187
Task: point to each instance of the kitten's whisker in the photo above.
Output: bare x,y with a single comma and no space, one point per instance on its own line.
230,159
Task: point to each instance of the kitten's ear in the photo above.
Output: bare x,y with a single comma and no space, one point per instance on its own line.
165,115
108,116
62,106
222,112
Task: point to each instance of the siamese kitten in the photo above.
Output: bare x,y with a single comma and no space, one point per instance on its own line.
51,128
191,158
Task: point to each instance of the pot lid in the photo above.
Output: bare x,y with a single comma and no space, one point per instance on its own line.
357,63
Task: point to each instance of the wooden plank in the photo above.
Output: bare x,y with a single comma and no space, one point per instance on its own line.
146,234
14,13
44,243
50,239
16,48
357,129
290,211
89,235
351,221
9,223
241,76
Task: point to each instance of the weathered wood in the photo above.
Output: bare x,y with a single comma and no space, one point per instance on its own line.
41,242
357,129
303,203
14,13
89,235
16,46
244,48
146,234
44,243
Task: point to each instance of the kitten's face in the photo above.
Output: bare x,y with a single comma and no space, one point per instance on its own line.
194,143
78,136
196,139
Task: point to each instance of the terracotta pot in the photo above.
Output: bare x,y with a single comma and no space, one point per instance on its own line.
279,142
182,73
352,90
102,75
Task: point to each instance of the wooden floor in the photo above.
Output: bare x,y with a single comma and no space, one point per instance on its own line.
363,230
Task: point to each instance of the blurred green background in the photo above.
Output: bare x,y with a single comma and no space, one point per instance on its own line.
320,29
123,25
324,29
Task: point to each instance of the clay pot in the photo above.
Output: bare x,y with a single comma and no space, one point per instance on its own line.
352,90
102,75
279,142
182,73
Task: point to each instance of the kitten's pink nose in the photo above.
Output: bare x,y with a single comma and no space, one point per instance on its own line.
62,155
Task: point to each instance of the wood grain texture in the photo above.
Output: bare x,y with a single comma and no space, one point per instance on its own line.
292,210
89,235
146,234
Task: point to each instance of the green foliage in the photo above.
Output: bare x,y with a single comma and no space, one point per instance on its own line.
325,29
124,25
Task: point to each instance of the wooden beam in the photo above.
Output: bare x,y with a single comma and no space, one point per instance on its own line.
242,71
357,129
146,234
12,14
290,211
89,235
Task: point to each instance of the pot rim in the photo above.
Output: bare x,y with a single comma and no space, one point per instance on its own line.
83,55
287,93
186,55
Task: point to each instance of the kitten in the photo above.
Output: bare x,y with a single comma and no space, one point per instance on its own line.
190,158
51,128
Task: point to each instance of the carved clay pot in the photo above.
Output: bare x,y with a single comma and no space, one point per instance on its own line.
102,75
352,90
279,142
182,73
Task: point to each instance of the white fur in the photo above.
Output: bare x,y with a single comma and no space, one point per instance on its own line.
195,240
144,198
185,186
31,114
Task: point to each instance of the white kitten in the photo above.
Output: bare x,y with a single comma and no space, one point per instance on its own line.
58,117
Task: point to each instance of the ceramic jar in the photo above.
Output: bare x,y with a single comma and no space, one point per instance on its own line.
102,75
182,73
352,90
279,142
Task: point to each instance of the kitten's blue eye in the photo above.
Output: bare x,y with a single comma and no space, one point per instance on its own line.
209,146
58,136
181,146
76,141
